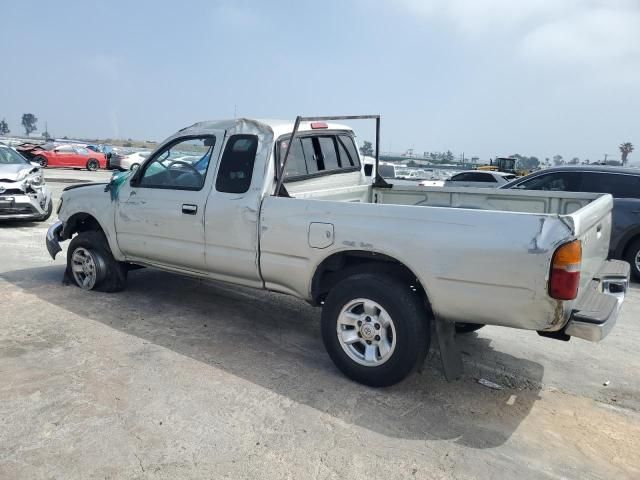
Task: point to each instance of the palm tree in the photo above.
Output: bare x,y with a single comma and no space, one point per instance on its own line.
626,148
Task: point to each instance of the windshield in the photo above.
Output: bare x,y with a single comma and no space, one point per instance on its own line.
9,156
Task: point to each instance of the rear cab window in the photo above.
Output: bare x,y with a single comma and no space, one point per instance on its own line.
319,154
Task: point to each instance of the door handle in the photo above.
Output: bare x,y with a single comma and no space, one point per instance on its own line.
189,209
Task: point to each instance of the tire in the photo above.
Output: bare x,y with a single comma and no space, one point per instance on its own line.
632,255
48,213
134,166
42,160
468,327
110,275
407,334
93,165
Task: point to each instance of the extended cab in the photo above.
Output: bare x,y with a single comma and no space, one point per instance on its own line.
289,207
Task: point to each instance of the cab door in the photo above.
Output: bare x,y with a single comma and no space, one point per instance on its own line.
61,156
231,218
160,212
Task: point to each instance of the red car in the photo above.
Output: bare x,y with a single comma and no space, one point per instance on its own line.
70,156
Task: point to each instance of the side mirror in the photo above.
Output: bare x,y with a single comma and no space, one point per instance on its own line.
368,169
35,164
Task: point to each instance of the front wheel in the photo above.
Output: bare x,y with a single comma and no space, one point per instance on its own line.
93,165
375,329
42,160
632,256
91,266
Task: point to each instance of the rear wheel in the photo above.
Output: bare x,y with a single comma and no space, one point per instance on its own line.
375,329
42,160
91,266
93,165
134,166
633,257
468,327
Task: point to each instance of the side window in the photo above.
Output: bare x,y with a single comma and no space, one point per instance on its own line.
64,149
236,165
181,165
482,177
461,177
557,181
618,185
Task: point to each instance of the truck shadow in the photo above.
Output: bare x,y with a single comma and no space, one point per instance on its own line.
274,341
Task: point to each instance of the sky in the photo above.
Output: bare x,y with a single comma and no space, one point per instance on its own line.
483,77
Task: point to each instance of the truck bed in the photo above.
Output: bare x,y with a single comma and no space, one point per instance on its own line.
482,255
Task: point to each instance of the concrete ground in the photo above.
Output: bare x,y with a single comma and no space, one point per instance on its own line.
180,378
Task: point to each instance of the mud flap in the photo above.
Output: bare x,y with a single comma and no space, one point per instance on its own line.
449,351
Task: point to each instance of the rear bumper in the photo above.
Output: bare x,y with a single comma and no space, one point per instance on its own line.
597,310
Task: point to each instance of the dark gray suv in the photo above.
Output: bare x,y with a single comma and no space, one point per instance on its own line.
622,183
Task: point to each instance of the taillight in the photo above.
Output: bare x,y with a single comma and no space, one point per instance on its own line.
565,271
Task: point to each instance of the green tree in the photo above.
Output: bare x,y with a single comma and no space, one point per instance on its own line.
574,161
557,160
29,121
526,163
448,157
625,149
4,127
366,149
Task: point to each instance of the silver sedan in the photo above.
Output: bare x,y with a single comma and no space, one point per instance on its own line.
23,192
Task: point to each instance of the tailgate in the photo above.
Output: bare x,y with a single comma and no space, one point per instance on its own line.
592,226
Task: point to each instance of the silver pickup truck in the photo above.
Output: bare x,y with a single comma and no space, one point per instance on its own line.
289,207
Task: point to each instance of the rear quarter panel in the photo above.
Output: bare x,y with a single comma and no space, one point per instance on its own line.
480,266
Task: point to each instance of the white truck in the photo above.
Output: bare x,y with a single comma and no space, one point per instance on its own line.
289,207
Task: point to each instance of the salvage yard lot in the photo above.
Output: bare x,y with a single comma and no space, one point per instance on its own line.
181,378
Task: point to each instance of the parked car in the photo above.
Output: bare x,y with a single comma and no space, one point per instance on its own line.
70,156
479,179
292,210
622,183
23,192
127,162
29,150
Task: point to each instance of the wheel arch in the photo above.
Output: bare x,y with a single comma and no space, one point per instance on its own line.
625,242
81,222
343,264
